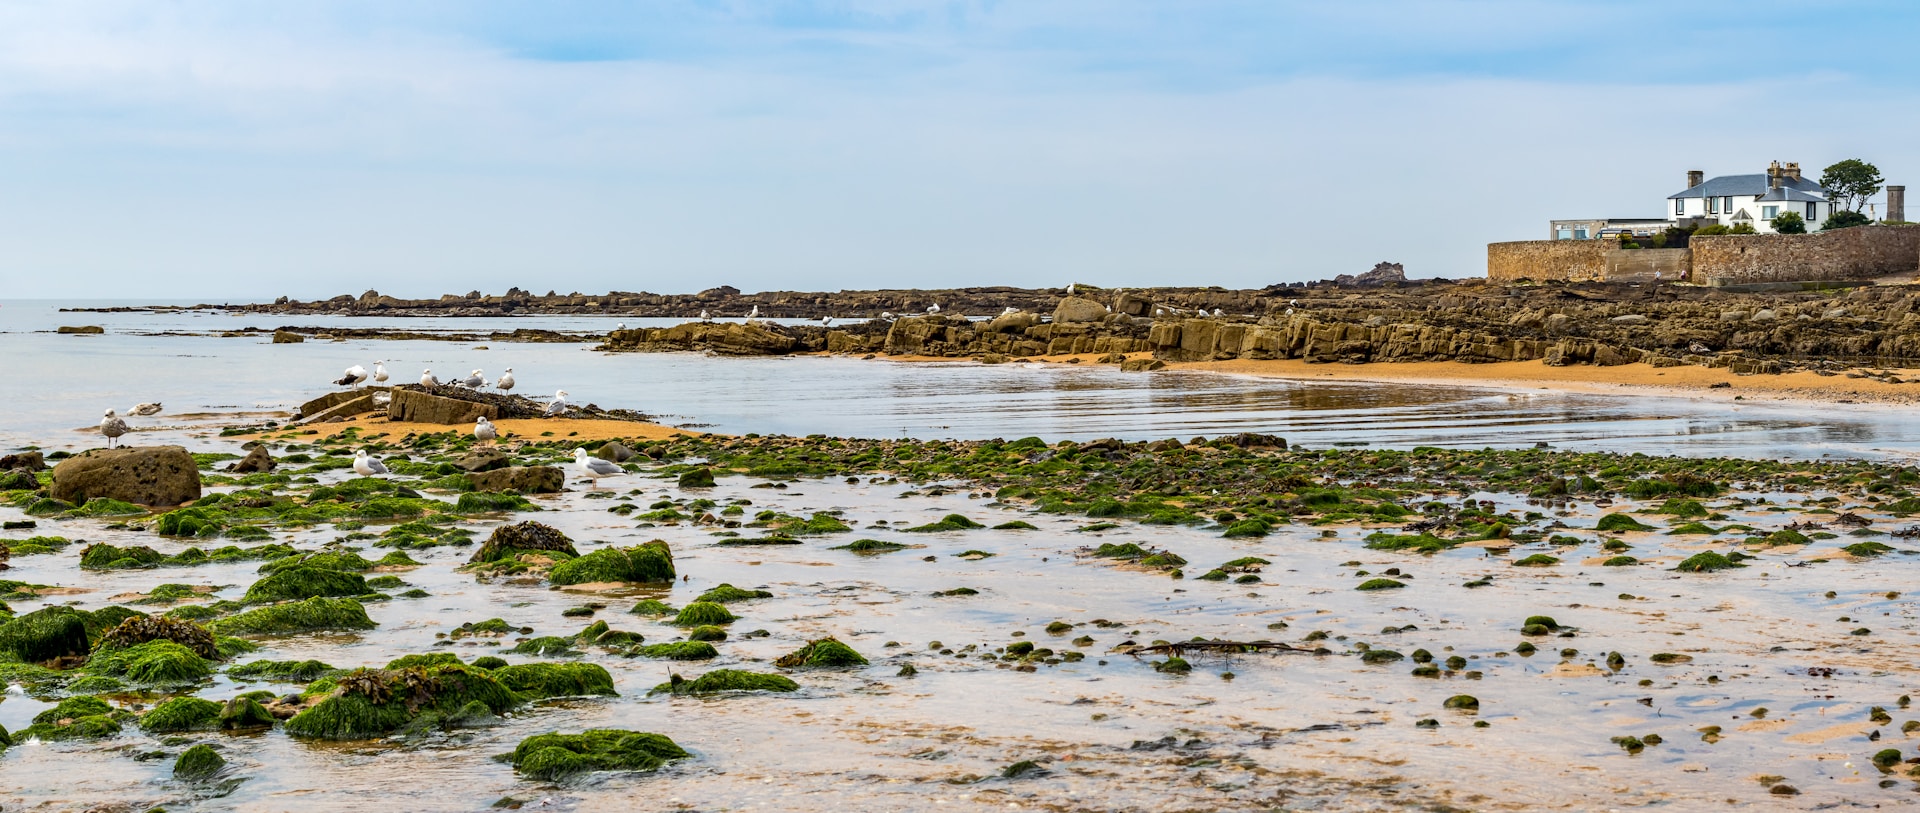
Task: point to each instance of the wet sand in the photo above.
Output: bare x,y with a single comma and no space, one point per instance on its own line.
577,428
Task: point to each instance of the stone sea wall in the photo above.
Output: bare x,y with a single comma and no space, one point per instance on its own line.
1861,253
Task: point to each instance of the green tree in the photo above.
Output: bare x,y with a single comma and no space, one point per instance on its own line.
1742,228
1844,219
1851,182
1790,223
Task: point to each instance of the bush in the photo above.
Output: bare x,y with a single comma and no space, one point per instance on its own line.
1790,223
1845,220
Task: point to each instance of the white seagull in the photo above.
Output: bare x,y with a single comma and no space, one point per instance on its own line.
558,406
827,322
933,308
621,326
366,466
144,411
427,379
705,317
353,377
1010,311
380,372
506,380
887,315
474,381
483,430
1070,289
595,468
112,427
755,313
1217,313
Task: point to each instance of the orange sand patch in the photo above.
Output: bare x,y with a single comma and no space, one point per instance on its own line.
1841,731
1574,670
509,428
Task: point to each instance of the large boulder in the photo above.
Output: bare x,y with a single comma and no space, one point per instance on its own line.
1016,322
1079,309
1133,304
524,479
420,407
31,461
484,460
256,462
147,475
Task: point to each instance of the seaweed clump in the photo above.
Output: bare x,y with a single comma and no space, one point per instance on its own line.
538,681
300,616
154,663
554,757
373,702
198,764
1706,562
825,652
295,583
677,651
727,593
950,522
726,680
44,635
182,714
703,613
510,541
650,562
75,718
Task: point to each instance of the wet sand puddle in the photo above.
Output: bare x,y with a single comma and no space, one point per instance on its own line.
1753,679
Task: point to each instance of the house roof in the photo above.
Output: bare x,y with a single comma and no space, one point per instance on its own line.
1792,196
1743,215
1755,184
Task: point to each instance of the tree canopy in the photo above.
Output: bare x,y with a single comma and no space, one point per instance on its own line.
1851,182
1842,220
1790,223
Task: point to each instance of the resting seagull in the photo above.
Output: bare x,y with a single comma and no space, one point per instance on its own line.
483,430
474,381
144,411
380,372
595,468
366,466
558,406
112,427
933,308
427,379
506,380
353,377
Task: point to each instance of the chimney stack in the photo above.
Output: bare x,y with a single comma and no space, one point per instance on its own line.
1793,170
1695,178
1897,203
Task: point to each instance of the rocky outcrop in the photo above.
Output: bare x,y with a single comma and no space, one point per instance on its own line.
31,461
523,479
1078,309
421,407
1382,274
256,462
287,337
483,460
147,475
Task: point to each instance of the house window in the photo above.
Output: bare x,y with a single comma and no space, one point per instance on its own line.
1579,234
1811,208
1769,212
1726,204
1712,206
1679,206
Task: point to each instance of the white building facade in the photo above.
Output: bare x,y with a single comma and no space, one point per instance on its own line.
1754,200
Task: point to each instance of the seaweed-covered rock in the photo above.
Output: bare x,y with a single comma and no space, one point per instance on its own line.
950,522
726,680
1706,562
1621,522
521,480
295,583
650,562
697,478
825,652
677,651
554,757
702,613
535,681
198,764
727,593
45,634
654,607
286,671
509,541
75,718
102,556
545,645
244,712
374,702
181,714
298,616
154,663
148,475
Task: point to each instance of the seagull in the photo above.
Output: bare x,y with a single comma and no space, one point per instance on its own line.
887,315
1010,311
595,467
706,317
366,466
475,381
1217,313
558,406
1070,289
826,321
506,380
353,377
1699,349
621,326
112,427
755,313
144,411
483,430
933,308
380,372
1293,303
427,379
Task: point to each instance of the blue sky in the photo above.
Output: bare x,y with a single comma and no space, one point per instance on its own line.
241,150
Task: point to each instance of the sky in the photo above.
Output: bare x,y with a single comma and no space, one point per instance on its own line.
233,151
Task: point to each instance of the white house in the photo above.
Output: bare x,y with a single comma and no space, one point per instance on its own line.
1755,200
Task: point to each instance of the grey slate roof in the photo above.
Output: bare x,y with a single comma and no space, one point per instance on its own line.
1755,184
1791,196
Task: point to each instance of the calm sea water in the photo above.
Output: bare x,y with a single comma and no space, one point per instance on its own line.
55,384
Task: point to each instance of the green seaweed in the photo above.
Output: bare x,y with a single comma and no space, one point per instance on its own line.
300,616
677,651
536,681
182,714
651,562
702,613
726,680
821,653
555,757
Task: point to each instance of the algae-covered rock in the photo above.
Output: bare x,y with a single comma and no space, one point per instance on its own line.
726,680
198,764
825,652
75,718
284,671
45,634
536,681
374,702
707,633
1706,562
1537,560
545,645
870,546
299,616
1463,702
509,541
555,757
295,583
1621,522
702,613
677,651
1380,584
697,478
102,556
181,714
244,712
727,593
950,522
154,663
648,563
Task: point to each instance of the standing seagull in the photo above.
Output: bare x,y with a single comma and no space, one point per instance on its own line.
755,313
558,406
506,380
380,372
933,308
474,381
144,411
353,377
366,466
1070,289
594,467
483,430
705,317
427,379
112,427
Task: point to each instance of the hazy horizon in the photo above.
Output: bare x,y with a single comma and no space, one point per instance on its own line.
235,152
